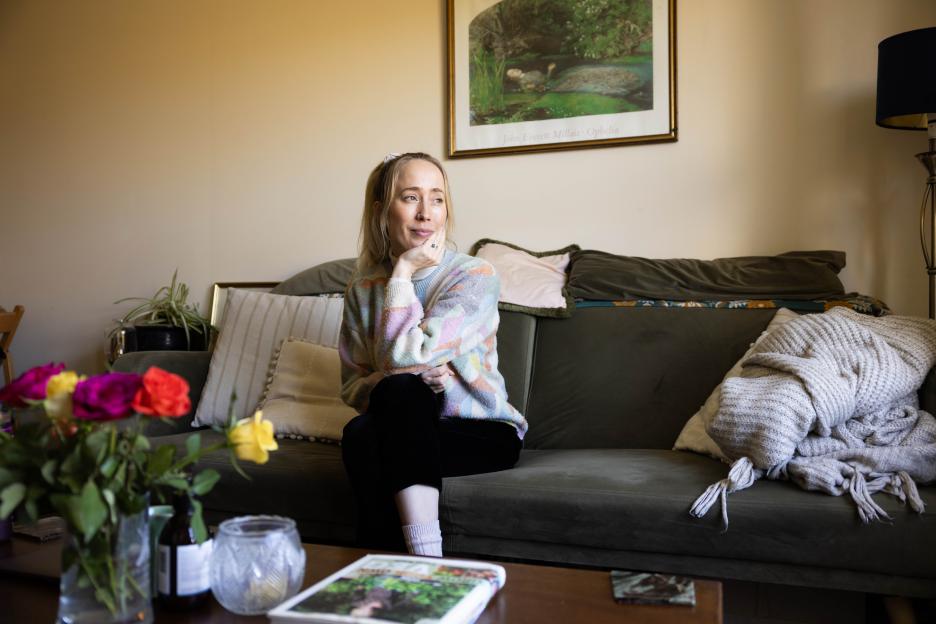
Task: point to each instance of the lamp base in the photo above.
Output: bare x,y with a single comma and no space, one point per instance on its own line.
928,209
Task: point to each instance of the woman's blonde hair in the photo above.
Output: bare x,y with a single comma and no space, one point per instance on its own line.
374,243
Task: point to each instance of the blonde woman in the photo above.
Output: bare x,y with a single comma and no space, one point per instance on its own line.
419,360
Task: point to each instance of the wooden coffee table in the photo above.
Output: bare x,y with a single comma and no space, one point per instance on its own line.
533,593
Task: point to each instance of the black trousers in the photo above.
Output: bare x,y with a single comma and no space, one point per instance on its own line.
401,441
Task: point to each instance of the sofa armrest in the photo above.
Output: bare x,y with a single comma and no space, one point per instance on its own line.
928,392
191,365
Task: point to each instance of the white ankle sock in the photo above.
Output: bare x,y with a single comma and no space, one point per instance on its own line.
423,539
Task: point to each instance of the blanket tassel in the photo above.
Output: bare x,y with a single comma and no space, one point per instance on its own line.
868,510
911,492
740,476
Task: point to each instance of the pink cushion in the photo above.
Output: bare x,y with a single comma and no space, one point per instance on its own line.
527,280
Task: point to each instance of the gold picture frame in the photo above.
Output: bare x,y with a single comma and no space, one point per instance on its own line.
219,296
509,94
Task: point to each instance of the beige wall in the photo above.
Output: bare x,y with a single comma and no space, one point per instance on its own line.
231,139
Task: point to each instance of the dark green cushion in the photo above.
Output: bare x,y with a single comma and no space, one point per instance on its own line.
631,377
323,279
515,338
302,480
639,500
191,365
794,275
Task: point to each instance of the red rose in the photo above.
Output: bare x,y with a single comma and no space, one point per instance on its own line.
162,394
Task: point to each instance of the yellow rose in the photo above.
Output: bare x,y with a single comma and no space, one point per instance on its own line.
59,389
252,438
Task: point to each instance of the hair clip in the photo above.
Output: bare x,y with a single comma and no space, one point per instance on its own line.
391,156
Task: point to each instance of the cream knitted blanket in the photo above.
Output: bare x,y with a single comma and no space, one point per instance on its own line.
829,401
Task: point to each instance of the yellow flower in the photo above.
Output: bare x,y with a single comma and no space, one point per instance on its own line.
59,389
252,438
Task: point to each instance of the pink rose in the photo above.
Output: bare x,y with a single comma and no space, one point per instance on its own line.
30,385
105,397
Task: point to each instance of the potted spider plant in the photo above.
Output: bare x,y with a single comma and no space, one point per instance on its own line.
165,321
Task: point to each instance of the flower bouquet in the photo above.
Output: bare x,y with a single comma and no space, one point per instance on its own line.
77,449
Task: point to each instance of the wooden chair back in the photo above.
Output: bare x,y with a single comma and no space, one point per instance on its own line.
9,321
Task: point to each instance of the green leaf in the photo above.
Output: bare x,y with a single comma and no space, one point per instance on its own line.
66,505
204,481
32,511
178,483
140,443
193,444
48,471
109,467
72,463
198,522
111,504
97,443
161,460
91,510
7,477
12,495
120,478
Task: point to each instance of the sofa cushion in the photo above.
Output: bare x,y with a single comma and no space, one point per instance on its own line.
630,377
192,365
515,338
533,282
302,480
638,500
322,279
254,326
793,275
694,436
303,396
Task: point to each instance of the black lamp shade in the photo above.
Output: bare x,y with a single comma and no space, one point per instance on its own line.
906,80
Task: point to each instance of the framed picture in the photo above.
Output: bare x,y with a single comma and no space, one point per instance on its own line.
533,75
219,296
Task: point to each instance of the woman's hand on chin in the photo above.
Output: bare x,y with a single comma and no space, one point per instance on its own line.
428,254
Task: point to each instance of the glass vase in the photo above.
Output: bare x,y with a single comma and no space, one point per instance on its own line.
257,563
107,581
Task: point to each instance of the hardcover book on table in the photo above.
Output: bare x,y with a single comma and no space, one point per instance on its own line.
379,589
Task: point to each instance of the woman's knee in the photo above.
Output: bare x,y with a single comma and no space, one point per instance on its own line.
359,435
402,393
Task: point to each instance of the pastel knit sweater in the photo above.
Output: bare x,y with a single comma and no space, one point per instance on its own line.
386,331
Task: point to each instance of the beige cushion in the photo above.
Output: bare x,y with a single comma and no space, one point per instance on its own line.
302,398
693,437
254,325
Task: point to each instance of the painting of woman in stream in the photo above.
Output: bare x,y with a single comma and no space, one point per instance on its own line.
528,75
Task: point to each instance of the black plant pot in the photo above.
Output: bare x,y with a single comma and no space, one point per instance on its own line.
162,338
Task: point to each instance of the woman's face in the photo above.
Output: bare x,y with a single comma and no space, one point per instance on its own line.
417,209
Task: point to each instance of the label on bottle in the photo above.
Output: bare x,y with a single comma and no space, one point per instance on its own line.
192,570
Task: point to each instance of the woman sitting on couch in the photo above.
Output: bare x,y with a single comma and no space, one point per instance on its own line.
419,360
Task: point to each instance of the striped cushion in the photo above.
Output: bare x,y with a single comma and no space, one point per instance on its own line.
253,327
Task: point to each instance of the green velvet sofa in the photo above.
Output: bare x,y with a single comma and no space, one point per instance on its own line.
606,392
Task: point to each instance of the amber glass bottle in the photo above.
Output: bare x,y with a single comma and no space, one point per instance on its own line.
183,579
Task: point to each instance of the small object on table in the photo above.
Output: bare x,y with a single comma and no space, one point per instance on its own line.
257,563
652,588
45,529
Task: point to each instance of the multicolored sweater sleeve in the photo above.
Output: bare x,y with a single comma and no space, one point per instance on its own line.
387,331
